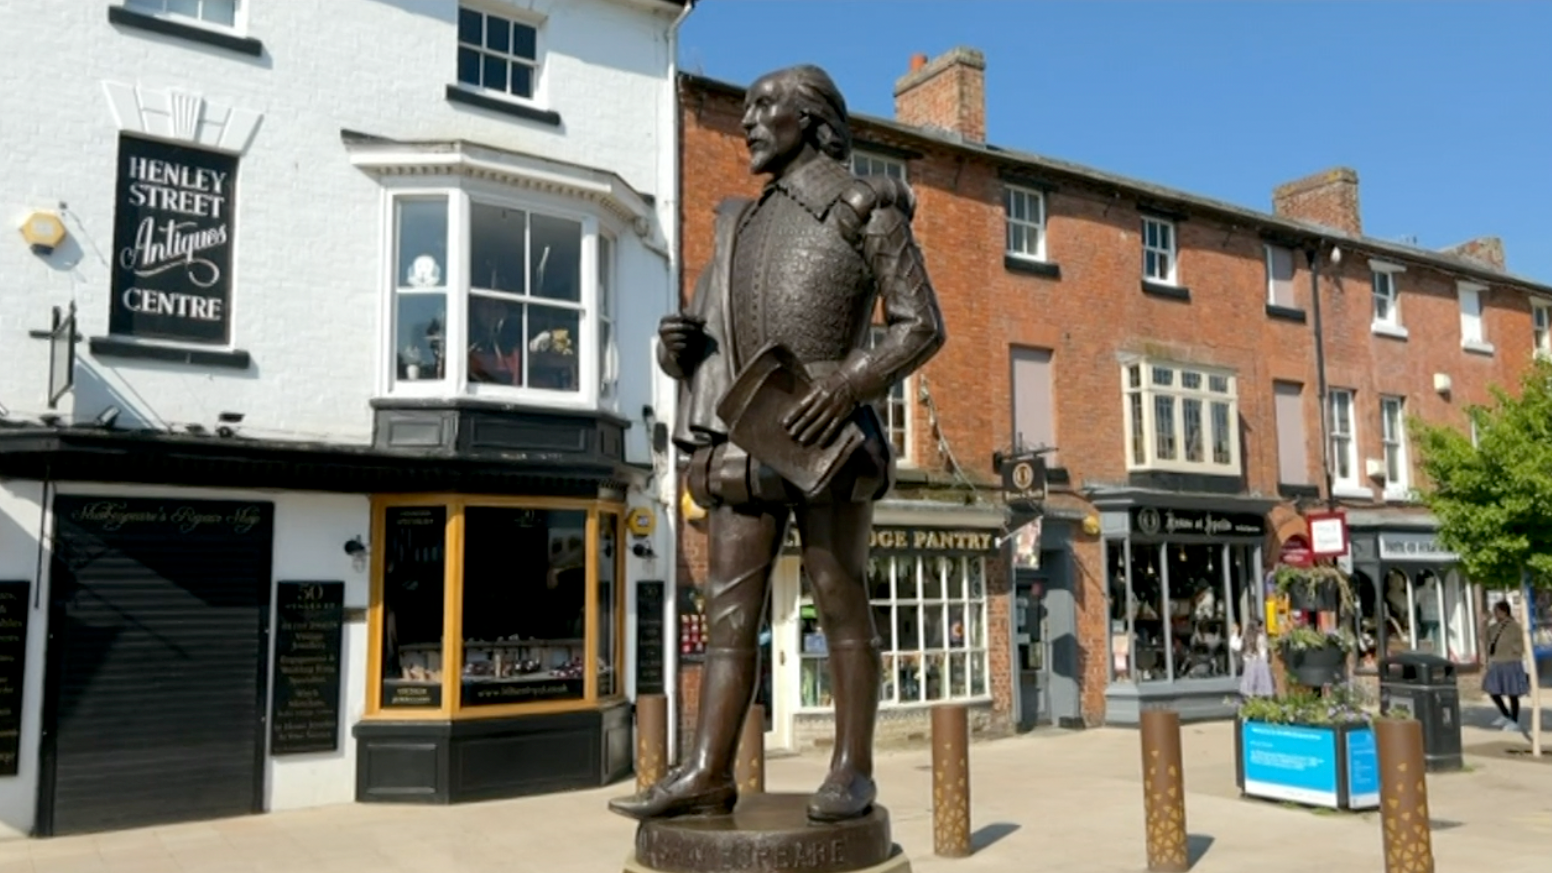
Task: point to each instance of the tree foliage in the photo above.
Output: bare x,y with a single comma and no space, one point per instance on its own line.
1494,499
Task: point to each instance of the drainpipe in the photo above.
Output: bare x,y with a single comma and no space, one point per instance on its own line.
1312,253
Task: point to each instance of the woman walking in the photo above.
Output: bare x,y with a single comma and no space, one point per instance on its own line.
1506,677
1256,679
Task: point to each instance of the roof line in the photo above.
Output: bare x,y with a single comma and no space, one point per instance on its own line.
1266,220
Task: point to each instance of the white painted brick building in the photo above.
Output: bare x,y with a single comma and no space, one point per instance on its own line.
275,222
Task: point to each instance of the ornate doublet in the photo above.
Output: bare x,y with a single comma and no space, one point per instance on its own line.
797,278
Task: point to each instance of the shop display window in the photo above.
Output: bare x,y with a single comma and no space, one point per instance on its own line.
1184,603
1419,610
412,606
930,613
526,600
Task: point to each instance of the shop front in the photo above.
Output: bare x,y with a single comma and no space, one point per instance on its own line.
1411,591
1183,573
495,645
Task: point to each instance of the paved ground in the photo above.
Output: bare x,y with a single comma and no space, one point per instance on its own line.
1048,801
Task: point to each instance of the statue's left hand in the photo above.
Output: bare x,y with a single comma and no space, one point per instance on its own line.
818,417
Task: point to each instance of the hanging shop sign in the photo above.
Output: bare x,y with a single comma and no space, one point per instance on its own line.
13,670
651,669
1023,478
305,708
1153,521
1327,533
1295,552
172,242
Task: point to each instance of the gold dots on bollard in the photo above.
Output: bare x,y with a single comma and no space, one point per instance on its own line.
950,781
651,739
1164,810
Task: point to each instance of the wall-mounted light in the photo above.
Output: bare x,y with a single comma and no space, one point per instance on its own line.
354,547
107,417
643,550
43,232
1442,383
1091,525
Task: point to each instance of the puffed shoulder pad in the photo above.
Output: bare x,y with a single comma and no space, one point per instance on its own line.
870,193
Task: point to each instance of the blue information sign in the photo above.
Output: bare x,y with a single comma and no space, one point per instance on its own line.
1289,762
1363,770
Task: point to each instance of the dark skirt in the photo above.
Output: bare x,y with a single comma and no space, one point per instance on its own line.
1506,679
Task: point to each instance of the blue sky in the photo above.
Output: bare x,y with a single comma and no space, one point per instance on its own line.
1443,108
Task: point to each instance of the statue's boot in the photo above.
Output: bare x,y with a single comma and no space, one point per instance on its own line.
704,786
849,791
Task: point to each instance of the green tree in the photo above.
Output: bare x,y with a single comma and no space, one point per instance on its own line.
1493,499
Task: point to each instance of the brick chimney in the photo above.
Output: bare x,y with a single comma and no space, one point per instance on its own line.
1329,198
947,93
1485,250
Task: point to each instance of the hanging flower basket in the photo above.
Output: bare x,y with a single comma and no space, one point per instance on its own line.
1315,658
1314,589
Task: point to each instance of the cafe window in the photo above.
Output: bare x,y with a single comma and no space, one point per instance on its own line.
501,298
1174,607
483,607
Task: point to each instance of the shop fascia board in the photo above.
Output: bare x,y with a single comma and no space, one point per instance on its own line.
1372,520
926,513
1126,498
385,157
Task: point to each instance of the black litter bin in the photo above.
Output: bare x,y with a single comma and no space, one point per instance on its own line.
1424,685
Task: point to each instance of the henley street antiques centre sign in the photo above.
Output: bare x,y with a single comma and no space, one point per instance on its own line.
933,540
172,242
13,669
1153,521
305,710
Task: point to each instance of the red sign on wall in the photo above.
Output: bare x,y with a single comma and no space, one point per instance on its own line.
1296,552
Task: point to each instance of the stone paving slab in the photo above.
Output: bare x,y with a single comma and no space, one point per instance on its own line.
1048,801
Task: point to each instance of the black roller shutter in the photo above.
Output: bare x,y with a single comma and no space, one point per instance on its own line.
156,685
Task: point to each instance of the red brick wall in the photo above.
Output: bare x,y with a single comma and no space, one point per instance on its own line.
1097,310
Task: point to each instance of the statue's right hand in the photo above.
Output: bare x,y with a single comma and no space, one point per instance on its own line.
683,335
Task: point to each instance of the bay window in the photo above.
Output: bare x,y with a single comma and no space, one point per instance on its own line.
1181,418
502,298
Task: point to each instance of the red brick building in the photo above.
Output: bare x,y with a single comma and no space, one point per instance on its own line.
1164,346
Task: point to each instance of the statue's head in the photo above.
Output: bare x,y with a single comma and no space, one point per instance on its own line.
791,112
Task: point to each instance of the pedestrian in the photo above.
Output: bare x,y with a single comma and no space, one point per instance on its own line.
1255,652
1506,680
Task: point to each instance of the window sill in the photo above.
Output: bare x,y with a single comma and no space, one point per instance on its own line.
979,700
113,347
1294,492
1399,495
1287,313
1354,491
1160,289
1478,347
1394,331
244,45
456,94
1031,266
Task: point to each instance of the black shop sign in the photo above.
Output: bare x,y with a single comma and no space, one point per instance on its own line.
1155,521
172,242
13,670
305,708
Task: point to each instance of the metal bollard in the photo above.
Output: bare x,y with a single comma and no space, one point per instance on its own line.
950,781
749,766
1404,796
651,739
1164,792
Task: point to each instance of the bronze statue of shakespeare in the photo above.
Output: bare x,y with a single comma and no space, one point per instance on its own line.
799,270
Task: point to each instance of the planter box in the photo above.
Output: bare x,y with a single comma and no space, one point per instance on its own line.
1336,767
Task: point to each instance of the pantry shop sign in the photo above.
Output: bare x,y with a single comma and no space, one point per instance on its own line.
172,242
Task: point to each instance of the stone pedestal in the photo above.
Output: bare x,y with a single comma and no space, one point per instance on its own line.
767,833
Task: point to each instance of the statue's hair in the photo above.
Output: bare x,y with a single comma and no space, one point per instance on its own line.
818,97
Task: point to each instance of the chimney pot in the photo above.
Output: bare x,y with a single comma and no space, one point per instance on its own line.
918,61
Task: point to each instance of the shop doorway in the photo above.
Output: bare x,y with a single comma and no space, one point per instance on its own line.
1032,650
156,679
780,654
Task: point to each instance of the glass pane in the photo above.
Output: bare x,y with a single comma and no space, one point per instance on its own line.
937,676
907,627
1398,612
221,12
883,620
552,346
470,25
957,636
1191,379
421,228
1459,628
878,578
522,80
1148,613
495,341
1427,597
978,674
934,626
887,684
1223,433
815,678
419,349
932,577
977,627
524,605
468,66
905,578
1134,376
958,676
908,673
151,6
493,72
1164,427
605,276
1198,612
188,8
413,584
557,258
498,34
1191,413
608,612
977,578
1218,384
1139,434
1163,376
524,41
1120,611
497,255
956,578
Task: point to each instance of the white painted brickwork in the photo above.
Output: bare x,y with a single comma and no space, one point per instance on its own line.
309,226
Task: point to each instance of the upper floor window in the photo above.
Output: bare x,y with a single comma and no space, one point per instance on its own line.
895,408
1344,442
1025,214
497,54
1181,418
222,13
1387,298
1158,250
1541,328
1393,437
865,164
525,290
1473,334
1279,277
